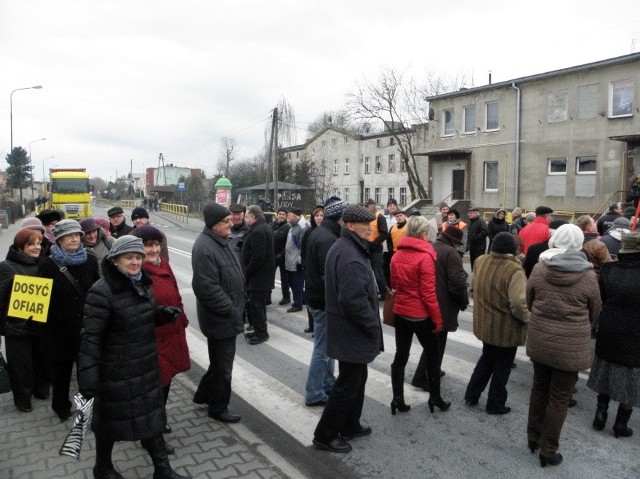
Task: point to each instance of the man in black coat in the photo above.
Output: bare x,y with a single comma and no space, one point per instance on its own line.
320,379
280,229
258,262
218,285
607,219
477,233
118,224
354,332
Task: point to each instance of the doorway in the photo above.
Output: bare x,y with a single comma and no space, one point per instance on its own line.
457,185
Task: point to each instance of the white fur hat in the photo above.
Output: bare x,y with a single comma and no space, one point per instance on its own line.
567,237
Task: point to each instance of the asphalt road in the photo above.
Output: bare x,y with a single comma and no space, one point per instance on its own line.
268,385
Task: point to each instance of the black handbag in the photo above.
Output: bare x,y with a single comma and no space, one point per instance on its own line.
5,384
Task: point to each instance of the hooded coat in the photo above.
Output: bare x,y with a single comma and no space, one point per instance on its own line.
563,297
118,363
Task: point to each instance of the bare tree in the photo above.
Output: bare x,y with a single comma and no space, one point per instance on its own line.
398,103
227,154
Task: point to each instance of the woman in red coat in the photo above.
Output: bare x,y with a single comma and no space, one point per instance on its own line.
171,340
416,310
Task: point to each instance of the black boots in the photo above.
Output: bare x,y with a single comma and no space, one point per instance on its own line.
420,376
104,467
157,449
620,428
601,413
397,384
435,400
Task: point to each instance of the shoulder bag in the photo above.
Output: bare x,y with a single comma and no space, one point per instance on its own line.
387,309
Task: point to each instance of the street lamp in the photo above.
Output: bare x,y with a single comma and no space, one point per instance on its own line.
37,87
31,163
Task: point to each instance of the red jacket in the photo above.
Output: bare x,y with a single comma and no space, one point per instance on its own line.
413,276
535,232
171,340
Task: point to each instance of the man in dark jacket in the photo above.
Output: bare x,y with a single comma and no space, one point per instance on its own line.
379,234
118,224
607,219
477,233
354,332
239,227
320,379
280,231
218,284
259,266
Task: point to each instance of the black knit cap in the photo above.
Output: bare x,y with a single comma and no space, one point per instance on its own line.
543,210
214,213
357,214
139,212
453,211
504,243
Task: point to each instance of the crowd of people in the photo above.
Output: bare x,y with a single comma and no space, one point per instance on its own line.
116,312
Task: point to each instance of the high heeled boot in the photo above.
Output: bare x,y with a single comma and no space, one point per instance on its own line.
104,467
435,399
397,384
601,412
620,428
157,449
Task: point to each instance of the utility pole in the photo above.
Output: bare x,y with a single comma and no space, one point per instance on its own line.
274,118
275,160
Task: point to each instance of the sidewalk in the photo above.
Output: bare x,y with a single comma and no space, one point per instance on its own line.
205,448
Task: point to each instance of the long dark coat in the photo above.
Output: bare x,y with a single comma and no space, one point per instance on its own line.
354,332
451,283
66,308
118,363
258,258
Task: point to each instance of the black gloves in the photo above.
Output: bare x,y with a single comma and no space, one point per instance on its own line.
168,314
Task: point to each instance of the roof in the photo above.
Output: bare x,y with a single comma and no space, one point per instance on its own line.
540,76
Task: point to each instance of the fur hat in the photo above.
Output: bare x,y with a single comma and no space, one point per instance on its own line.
357,214
139,212
516,212
334,207
126,244
530,216
454,233
32,223
566,237
630,243
116,210
66,227
147,233
49,216
504,243
214,213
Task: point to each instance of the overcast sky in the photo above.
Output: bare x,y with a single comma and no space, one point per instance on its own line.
125,80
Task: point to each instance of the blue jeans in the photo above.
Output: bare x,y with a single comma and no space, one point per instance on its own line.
320,379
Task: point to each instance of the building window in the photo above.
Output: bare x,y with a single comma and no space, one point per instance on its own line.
392,141
378,164
403,166
491,176
469,119
324,143
367,193
556,166
323,168
335,167
346,195
377,195
403,196
333,142
391,192
621,98
336,192
586,165
367,165
297,154
492,116
378,143
557,104
346,139
346,166
392,163
447,121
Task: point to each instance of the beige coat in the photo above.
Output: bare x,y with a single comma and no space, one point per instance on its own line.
500,314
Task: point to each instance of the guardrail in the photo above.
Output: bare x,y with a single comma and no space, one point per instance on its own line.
181,212
129,203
